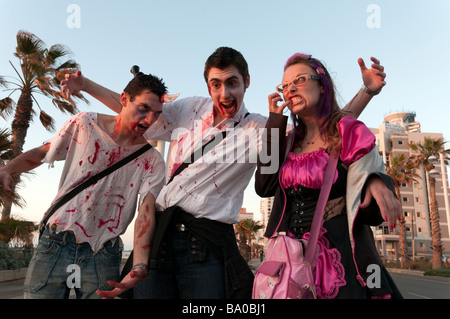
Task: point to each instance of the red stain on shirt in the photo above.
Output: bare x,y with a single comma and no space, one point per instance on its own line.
94,157
114,156
83,229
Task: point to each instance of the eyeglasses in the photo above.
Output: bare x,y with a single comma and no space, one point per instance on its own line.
298,81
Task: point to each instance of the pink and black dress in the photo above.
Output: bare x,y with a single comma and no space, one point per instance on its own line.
346,242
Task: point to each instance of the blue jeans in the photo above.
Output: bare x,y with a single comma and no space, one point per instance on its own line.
192,279
59,264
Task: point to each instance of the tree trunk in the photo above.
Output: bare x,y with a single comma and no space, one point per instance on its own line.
436,243
19,128
402,235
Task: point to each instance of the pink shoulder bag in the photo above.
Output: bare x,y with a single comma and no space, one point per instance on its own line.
288,271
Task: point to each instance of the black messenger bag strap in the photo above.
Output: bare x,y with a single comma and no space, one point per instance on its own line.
201,151
91,181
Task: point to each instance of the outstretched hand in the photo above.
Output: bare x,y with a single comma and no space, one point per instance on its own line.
387,202
373,78
128,282
73,83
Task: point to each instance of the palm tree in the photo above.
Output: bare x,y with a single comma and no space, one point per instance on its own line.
22,231
5,155
401,170
16,229
41,72
246,229
431,147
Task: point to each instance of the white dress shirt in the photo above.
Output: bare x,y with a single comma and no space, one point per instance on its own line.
213,186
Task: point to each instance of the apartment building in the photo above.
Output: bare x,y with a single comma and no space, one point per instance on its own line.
393,137
265,209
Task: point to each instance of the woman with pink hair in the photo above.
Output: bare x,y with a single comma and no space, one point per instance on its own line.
358,198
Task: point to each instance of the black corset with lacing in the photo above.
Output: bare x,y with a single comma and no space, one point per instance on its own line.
301,203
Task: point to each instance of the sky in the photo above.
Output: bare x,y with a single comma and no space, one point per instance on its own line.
172,39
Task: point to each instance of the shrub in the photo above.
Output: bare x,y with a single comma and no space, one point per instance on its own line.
12,259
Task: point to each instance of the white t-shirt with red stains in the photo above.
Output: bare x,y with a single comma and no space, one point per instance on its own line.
103,211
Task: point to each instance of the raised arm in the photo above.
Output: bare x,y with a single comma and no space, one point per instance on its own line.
374,81
23,163
77,82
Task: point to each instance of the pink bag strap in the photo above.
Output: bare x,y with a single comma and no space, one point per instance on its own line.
330,171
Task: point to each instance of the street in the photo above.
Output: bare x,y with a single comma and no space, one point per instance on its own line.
411,287
422,287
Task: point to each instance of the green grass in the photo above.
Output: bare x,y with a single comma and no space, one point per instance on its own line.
444,272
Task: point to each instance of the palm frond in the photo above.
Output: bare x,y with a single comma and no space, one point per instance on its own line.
12,197
3,82
17,229
28,46
5,146
429,147
54,53
7,107
401,169
79,96
47,121
69,65
65,107
43,85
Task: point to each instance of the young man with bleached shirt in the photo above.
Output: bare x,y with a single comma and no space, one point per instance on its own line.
84,232
197,248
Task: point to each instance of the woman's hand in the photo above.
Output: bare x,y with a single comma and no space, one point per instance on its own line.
374,78
387,202
274,99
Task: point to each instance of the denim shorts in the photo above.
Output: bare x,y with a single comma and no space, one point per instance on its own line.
59,264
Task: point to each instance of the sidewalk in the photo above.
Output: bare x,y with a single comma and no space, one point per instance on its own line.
254,264
12,290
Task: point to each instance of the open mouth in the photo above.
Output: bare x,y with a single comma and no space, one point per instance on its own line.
142,127
228,105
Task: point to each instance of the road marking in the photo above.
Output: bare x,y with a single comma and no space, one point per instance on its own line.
424,297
